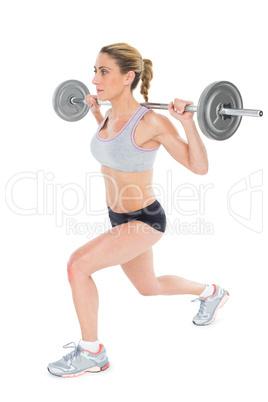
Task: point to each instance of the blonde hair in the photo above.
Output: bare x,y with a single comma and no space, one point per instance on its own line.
129,59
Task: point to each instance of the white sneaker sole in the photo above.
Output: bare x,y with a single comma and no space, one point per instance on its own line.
90,370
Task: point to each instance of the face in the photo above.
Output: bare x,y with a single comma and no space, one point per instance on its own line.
109,81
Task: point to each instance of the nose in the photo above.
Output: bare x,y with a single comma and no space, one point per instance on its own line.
95,80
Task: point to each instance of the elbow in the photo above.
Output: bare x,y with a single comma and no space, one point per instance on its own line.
198,166
201,171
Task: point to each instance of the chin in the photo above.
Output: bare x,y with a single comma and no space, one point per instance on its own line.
102,97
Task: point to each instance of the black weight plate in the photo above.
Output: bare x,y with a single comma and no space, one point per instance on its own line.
62,100
210,121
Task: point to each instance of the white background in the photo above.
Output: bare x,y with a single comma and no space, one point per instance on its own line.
155,351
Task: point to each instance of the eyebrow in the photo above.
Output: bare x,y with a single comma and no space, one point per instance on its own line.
102,67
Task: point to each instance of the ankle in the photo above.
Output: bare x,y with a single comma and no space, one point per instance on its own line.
201,289
90,346
208,291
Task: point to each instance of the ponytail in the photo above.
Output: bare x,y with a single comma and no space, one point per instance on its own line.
146,77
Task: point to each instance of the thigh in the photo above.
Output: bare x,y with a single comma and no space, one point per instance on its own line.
115,247
140,271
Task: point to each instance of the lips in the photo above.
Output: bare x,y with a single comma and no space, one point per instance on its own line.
99,90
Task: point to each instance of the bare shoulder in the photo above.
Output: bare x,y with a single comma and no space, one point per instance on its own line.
159,124
155,119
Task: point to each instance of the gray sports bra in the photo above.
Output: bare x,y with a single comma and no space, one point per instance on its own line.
121,152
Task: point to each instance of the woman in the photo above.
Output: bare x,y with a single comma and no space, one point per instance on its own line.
126,145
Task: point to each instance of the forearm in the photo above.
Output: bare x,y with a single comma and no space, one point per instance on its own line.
99,117
198,159
91,101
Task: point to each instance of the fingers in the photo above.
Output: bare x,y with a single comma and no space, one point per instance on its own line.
177,109
91,100
180,105
171,109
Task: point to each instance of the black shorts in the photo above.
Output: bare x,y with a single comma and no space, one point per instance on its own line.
154,215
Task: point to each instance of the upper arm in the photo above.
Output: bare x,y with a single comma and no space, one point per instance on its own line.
169,137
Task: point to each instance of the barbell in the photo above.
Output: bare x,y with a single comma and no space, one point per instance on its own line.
219,109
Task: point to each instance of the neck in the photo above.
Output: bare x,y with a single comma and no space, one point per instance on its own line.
124,105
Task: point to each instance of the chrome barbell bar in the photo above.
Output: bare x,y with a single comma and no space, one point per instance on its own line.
224,111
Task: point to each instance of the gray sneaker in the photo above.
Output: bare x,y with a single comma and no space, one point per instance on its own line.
79,361
209,306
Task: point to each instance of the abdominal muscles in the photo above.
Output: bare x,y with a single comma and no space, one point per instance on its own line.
127,192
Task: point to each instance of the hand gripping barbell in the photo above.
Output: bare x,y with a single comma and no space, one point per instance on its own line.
219,110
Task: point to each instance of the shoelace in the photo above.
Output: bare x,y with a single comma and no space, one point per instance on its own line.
202,305
74,353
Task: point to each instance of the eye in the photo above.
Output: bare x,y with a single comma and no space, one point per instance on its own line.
102,71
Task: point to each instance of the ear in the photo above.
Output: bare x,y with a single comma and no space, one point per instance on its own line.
129,78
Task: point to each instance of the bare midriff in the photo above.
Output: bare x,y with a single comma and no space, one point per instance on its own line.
128,192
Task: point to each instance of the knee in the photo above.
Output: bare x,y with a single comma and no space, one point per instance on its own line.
74,267
151,291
